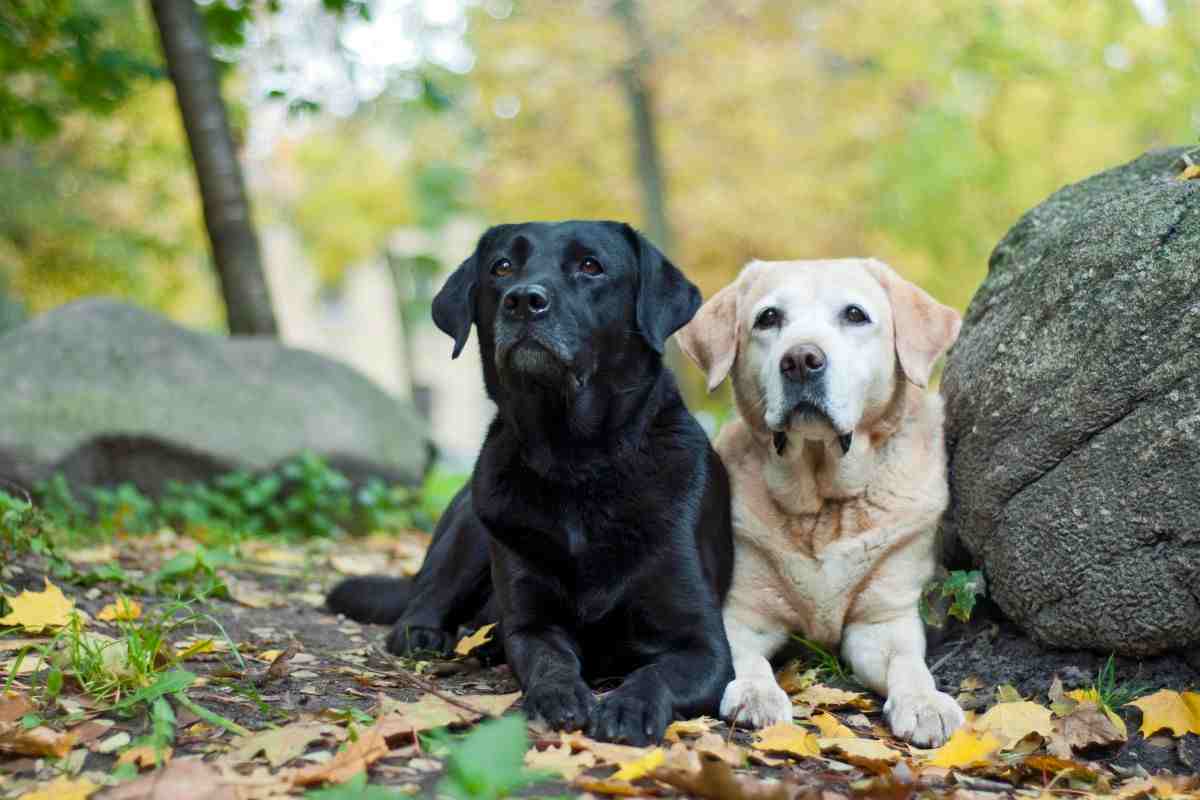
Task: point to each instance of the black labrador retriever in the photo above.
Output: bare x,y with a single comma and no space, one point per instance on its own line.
596,525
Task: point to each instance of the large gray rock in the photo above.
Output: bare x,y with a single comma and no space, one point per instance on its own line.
1073,400
105,392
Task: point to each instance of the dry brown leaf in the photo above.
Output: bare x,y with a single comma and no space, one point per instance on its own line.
823,696
559,760
1013,721
279,665
785,737
870,754
610,787
40,741
281,745
13,706
144,756
715,744
605,752
480,637
709,777
249,593
793,678
189,778
36,612
355,758
407,719
1170,710
1089,725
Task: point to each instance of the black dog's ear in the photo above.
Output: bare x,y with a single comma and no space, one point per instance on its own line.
454,305
666,299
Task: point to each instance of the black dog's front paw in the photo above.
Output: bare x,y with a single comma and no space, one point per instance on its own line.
562,706
415,640
631,715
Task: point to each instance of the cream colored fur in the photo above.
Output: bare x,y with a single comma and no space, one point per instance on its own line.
834,546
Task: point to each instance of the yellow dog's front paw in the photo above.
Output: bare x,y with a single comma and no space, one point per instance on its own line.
757,702
924,718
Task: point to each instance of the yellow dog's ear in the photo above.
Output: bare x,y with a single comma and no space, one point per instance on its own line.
924,328
711,338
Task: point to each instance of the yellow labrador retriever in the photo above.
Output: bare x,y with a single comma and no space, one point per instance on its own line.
839,476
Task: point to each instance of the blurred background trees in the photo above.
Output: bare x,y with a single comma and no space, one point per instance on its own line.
917,133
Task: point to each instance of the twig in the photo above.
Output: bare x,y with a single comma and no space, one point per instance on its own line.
210,717
938,664
418,683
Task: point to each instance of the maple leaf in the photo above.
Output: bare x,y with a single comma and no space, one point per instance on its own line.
397,719
1013,721
34,612
964,748
640,767
786,737
823,696
281,745
345,764
1166,708
605,752
63,788
559,760
480,637
871,754
123,610
40,741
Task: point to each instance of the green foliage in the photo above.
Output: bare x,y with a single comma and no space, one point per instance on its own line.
1111,693
951,594
826,662
489,762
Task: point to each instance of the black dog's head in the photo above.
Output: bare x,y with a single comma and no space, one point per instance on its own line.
559,303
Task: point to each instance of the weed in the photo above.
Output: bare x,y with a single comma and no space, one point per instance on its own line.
827,663
489,762
951,594
1109,692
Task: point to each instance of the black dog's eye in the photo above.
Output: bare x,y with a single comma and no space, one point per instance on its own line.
855,315
502,268
590,266
768,318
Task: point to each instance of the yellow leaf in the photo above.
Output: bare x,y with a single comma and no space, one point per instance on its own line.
689,727
1190,172
824,696
870,753
1084,695
92,555
714,744
40,741
145,756
784,737
63,788
640,767
124,610
202,646
831,727
479,637
357,757
964,749
269,655
34,612
559,760
400,719
1166,708
281,745
1015,720
608,786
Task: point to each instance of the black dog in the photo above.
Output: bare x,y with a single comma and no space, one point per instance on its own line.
596,502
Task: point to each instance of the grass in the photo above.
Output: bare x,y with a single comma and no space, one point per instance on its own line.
1112,693
827,663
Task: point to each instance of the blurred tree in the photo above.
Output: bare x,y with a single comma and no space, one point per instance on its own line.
231,233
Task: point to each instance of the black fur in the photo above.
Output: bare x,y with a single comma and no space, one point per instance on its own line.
596,524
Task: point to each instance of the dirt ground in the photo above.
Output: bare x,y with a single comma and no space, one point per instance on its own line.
339,665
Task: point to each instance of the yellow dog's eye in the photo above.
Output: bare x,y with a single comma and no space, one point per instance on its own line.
768,318
502,268
855,315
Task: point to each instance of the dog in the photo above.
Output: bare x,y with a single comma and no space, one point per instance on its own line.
596,525
839,476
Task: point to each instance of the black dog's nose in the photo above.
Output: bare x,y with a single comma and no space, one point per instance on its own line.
802,361
526,302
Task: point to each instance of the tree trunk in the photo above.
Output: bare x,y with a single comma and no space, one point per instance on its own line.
231,234
647,159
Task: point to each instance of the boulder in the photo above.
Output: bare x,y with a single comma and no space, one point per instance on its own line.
1073,415
106,392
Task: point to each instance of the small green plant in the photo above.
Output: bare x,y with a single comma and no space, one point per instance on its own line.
489,762
1110,693
826,662
951,594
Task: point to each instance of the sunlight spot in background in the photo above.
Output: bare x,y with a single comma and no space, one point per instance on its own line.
506,106
1154,12
1117,56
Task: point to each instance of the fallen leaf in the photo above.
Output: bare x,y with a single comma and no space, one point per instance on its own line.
786,737
824,696
479,637
831,727
63,788
355,758
710,777
1006,693
1191,172
267,553
689,727
113,743
559,760
965,748
871,754
34,612
608,786
281,745
640,767
1089,725
359,563
145,756
793,680
13,706
1013,721
971,683
123,610
248,593
716,745
40,741
188,778
605,752
1166,708
398,719
279,665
